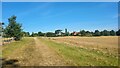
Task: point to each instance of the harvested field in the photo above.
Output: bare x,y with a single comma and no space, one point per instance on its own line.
107,44
62,51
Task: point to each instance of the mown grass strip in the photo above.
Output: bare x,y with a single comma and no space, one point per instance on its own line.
81,56
10,48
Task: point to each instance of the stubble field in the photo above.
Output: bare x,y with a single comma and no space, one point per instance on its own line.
62,51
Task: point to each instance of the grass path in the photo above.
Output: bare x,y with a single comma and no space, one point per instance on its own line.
31,52
48,56
20,51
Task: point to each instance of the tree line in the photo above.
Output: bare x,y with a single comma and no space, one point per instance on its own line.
81,33
14,29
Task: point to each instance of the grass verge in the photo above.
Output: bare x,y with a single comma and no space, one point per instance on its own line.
10,48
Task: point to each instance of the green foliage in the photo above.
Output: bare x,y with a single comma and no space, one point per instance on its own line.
1,29
67,34
112,33
25,34
97,33
83,33
50,34
13,29
87,33
106,33
34,34
118,33
41,34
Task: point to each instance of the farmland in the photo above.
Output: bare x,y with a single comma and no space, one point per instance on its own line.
62,51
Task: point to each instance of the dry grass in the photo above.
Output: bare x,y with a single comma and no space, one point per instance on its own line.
81,52
107,44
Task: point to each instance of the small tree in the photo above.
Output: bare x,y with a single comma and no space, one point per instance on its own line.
13,29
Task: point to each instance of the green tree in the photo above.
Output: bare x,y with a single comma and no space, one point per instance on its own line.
118,33
102,33
82,32
50,34
88,33
1,29
40,34
112,33
34,34
97,33
13,29
25,34
106,33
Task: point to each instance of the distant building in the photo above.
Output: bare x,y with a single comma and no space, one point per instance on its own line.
58,32
65,31
76,33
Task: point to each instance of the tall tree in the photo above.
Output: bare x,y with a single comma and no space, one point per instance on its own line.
106,33
112,33
13,29
1,29
118,33
102,33
97,33
88,33
82,32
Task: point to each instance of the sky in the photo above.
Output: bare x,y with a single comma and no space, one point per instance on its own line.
50,16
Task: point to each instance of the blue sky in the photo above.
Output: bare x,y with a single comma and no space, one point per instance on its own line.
75,16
